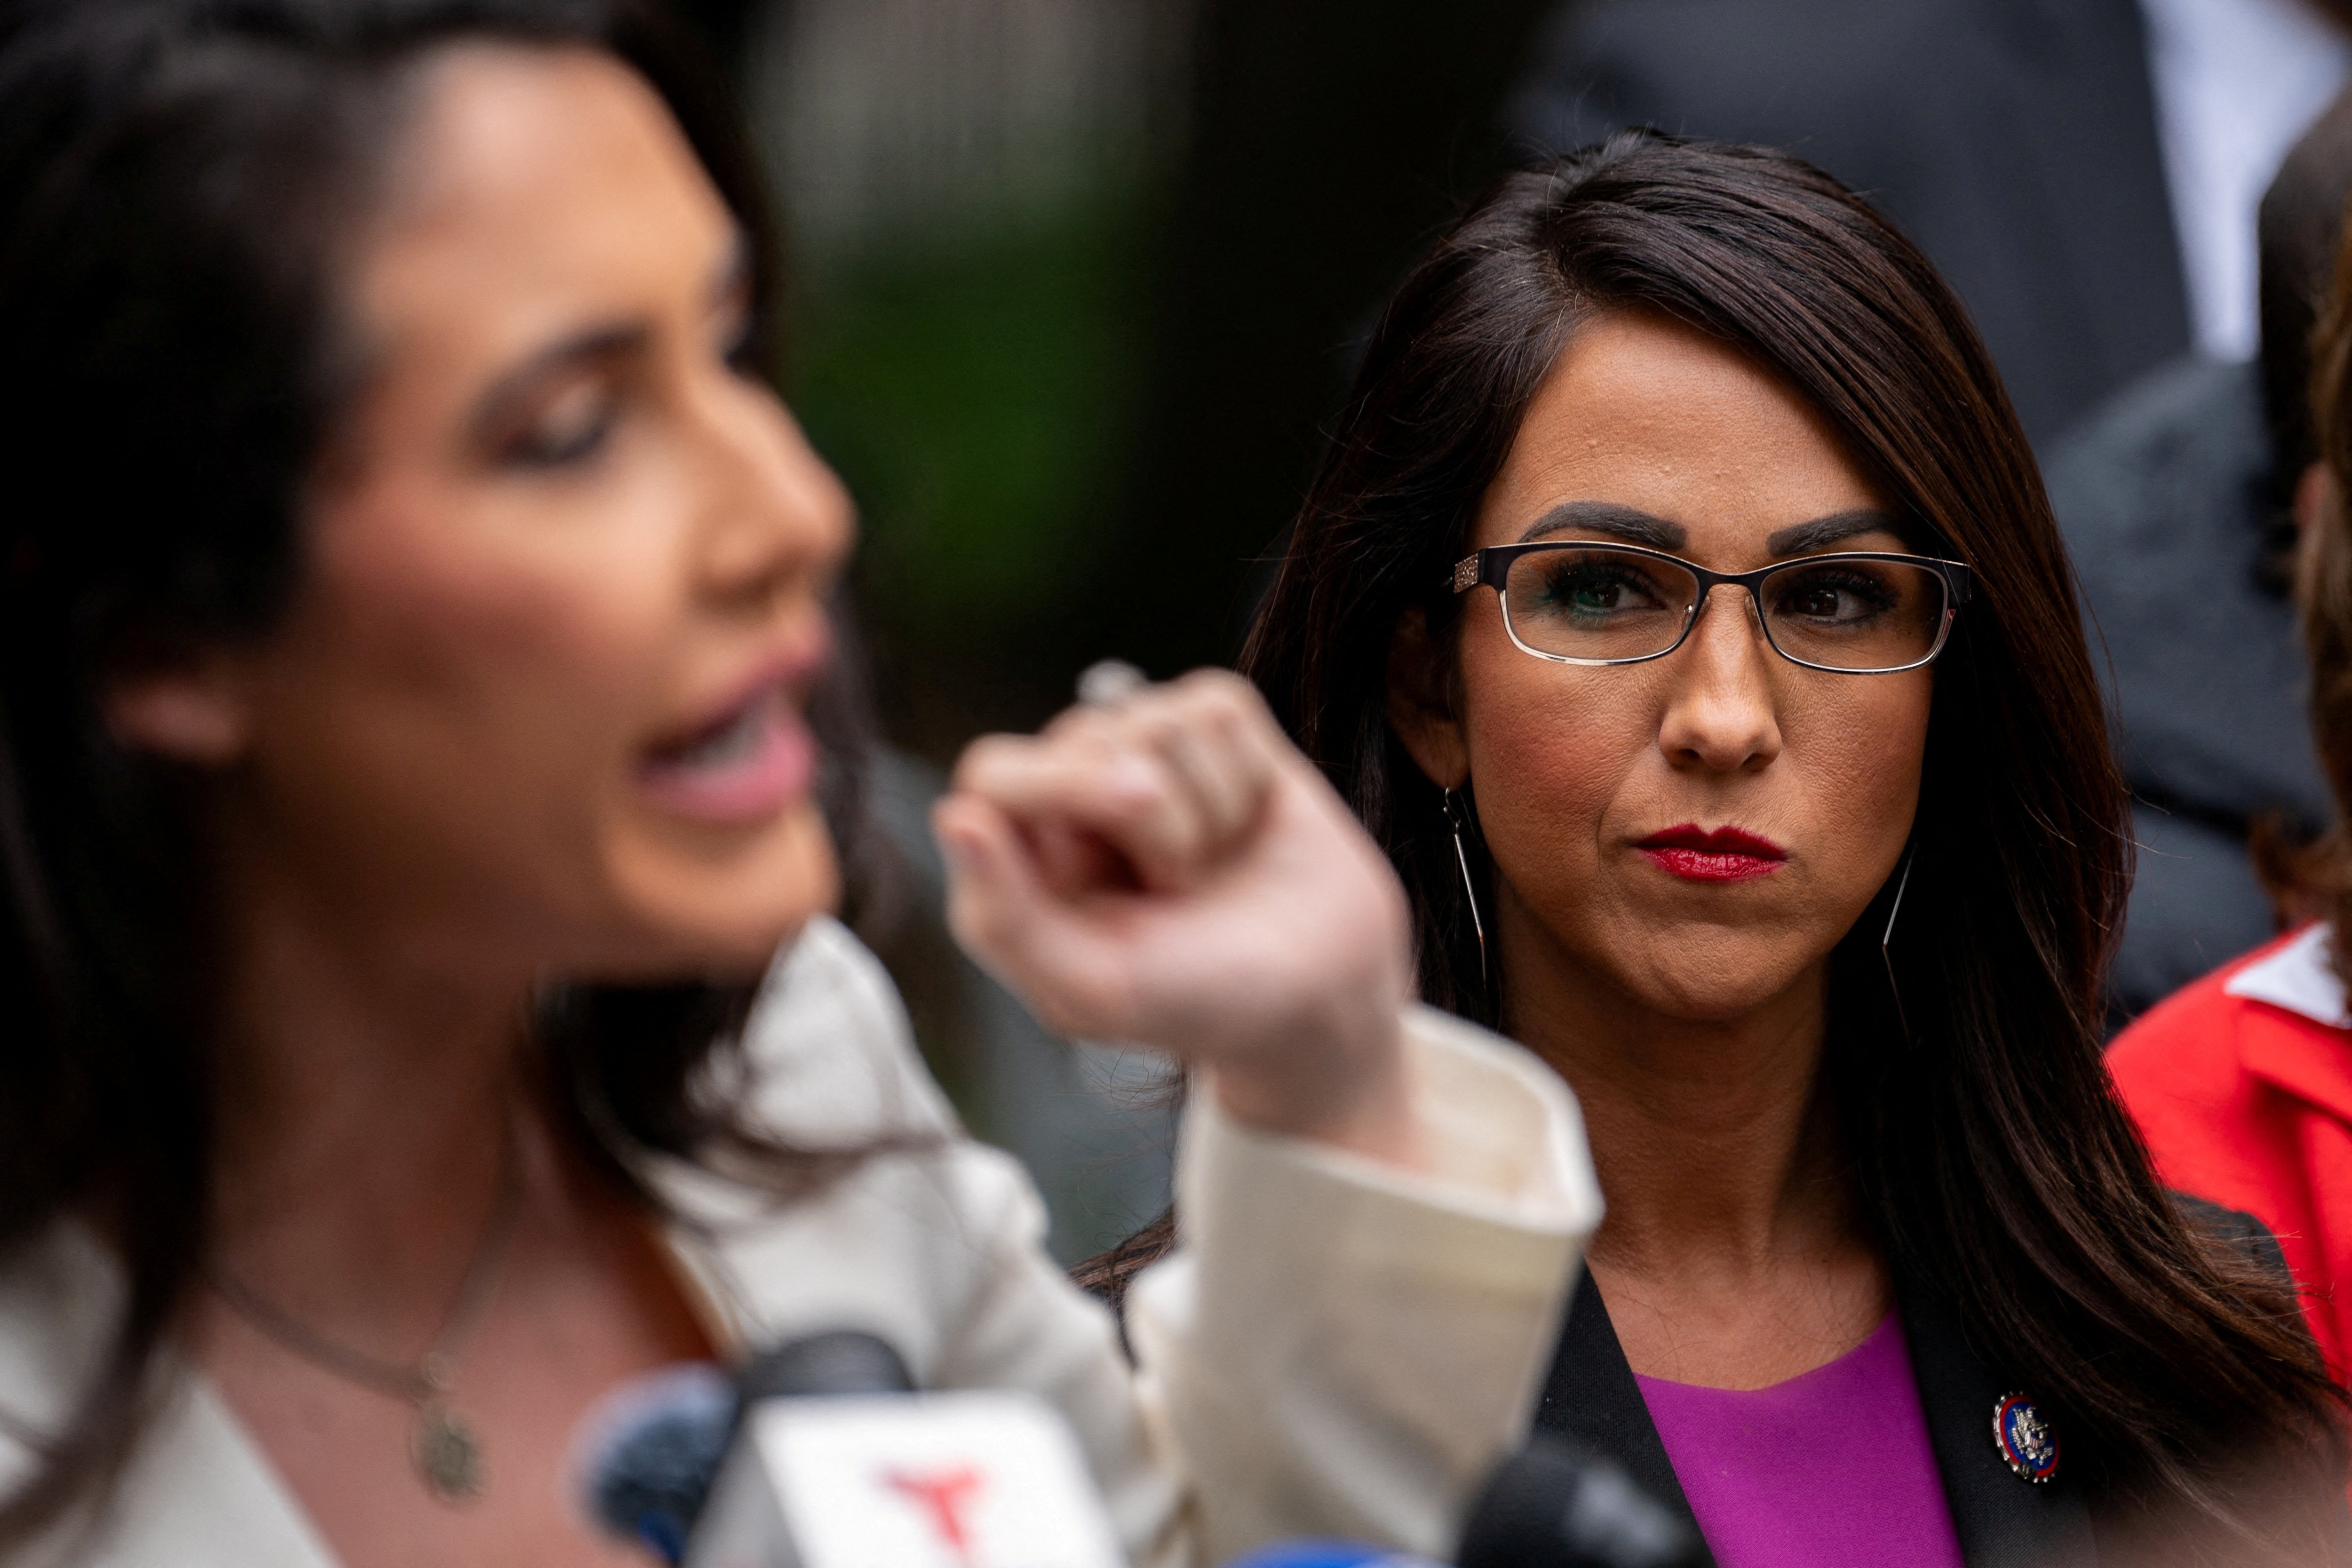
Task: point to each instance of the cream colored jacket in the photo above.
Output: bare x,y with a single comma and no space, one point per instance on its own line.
1336,1348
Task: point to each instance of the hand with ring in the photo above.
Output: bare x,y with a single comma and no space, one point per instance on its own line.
1159,865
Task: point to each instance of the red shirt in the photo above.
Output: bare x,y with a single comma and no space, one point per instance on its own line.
2242,1084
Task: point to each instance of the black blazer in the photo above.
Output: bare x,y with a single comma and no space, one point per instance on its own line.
2001,1522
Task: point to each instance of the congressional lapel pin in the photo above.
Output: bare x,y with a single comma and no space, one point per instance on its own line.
2024,1439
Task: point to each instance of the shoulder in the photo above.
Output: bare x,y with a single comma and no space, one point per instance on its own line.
2161,470
907,1237
2194,415
2217,1075
2190,1044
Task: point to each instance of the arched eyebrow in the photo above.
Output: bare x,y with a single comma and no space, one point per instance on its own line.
1635,526
603,342
1799,539
1628,523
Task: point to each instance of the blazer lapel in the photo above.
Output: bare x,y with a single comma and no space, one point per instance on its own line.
2002,1521
1592,1396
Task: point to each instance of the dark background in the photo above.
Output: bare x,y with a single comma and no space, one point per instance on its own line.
1074,426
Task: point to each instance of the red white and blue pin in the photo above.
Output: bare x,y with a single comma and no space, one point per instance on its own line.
2026,1443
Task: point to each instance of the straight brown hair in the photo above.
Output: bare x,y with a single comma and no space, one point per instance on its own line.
1993,1159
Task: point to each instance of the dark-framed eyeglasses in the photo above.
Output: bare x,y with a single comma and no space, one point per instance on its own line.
1855,613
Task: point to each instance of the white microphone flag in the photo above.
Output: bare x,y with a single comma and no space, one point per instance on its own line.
966,1479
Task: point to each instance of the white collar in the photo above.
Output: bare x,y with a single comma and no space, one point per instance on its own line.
2300,977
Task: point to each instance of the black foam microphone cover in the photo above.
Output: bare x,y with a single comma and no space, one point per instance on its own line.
1558,1504
846,1360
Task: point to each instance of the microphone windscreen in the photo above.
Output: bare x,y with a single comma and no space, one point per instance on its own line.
1557,1504
845,1361
649,1451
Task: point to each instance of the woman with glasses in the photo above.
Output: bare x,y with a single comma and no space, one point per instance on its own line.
1679,606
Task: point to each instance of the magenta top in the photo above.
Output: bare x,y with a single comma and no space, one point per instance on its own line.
1833,1465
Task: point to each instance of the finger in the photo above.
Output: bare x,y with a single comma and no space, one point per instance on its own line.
1096,777
1219,798
1203,729
1072,861
990,884
1191,741
1002,915
1231,756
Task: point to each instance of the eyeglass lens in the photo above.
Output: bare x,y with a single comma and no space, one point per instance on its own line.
1605,604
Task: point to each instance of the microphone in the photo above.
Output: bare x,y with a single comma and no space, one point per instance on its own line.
1557,1504
819,1454
654,1448
1328,1554
650,1450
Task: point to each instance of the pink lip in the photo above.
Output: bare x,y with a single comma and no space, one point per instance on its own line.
749,757
1725,855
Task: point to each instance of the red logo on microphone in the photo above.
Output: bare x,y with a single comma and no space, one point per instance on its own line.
947,1496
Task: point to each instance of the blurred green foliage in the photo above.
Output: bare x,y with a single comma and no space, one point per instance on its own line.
977,389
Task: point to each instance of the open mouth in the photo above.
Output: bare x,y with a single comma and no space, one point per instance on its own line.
744,765
1722,855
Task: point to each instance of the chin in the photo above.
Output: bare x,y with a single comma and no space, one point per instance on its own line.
720,911
1713,983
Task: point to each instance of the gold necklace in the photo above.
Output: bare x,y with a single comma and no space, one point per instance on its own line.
447,1453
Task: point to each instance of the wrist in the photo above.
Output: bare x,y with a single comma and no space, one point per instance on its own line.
1357,1097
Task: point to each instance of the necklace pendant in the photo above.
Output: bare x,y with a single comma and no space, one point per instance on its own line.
448,1456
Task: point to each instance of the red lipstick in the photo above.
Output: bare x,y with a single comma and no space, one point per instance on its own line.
1724,855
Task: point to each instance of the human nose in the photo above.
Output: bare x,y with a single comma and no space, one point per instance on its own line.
777,520
1720,714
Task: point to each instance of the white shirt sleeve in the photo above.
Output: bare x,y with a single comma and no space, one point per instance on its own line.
1340,1348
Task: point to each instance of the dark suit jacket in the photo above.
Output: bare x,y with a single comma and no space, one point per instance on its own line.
2001,1522
2015,140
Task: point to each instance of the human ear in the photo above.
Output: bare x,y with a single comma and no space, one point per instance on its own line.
191,712
1421,704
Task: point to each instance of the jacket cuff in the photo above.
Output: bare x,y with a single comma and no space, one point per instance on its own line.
1508,1192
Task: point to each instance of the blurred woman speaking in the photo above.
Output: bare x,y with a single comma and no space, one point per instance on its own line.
414,710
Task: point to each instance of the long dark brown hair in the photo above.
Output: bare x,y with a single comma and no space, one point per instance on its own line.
178,183
1994,1162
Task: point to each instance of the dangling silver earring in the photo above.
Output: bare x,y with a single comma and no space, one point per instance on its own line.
1457,823
1901,882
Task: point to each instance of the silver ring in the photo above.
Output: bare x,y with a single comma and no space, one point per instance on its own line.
1107,683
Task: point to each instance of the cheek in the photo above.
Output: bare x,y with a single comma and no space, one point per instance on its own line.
454,696
509,644
1551,749
1854,763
